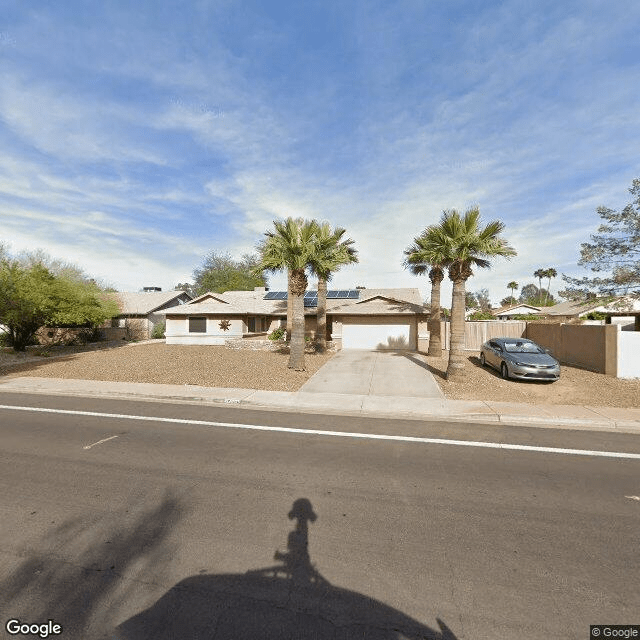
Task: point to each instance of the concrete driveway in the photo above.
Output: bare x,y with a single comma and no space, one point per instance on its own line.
375,373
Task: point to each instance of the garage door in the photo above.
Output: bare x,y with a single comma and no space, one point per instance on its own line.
376,336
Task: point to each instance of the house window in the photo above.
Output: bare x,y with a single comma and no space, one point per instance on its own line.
197,325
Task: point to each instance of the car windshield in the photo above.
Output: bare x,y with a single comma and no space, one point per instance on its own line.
522,347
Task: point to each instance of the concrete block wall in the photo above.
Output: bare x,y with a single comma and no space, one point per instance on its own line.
593,347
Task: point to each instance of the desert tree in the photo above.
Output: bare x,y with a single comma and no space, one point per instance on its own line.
614,252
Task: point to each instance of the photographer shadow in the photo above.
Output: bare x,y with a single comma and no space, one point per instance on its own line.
285,601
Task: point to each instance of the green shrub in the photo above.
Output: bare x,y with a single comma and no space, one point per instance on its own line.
482,315
158,330
277,334
529,317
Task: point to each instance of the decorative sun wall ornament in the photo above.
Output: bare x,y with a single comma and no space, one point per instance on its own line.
225,324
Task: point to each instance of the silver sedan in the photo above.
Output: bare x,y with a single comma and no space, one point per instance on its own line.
519,358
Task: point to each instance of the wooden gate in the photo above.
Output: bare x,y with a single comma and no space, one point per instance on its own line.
478,331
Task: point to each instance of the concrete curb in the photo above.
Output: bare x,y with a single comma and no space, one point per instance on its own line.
419,409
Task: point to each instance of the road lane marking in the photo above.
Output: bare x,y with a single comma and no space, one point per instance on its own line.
338,434
99,442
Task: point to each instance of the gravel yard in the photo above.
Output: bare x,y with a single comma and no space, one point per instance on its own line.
209,366
221,367
576,386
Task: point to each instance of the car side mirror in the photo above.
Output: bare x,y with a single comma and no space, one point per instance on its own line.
549,351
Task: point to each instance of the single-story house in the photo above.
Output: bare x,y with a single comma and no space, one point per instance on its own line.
572,310
622,310
356,318
140,311
521,309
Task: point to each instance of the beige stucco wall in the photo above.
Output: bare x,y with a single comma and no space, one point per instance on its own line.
594,347
423,334
177,328
177,331
275,323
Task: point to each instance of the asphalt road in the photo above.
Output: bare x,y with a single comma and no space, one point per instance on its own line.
135,525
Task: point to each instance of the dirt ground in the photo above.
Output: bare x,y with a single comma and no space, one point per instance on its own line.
576,386
158,362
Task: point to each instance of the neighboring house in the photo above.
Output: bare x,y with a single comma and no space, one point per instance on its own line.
140,312
568,311
521,309
356,318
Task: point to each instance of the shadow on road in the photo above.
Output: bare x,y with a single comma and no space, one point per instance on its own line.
285,601
75,575
85,576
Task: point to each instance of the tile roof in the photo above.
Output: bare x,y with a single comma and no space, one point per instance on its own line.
252,302
572,308
144,302
503,310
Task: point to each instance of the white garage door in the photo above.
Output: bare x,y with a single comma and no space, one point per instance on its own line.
376,336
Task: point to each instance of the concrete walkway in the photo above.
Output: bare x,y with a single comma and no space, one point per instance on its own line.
425,409
401,374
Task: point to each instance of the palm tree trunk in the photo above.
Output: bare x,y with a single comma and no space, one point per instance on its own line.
289,306
296,346
435,337
321,321
455,369
540,291
546,298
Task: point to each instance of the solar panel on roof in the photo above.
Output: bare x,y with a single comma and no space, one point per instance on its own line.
275,295
311,294
354,294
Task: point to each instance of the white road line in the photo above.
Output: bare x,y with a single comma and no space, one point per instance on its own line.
339,434
99,442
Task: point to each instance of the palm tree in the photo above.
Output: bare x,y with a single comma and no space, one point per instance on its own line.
331,252
428,254
513,285
549,273
467,244
291,246
540,273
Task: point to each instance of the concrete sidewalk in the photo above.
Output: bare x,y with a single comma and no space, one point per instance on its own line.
432,409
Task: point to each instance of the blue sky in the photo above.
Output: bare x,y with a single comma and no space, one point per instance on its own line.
137,137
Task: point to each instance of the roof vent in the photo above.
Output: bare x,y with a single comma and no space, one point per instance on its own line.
152,289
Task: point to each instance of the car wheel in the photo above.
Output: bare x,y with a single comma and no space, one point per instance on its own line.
504,372
483,362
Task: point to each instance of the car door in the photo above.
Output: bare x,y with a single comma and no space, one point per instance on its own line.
494,354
